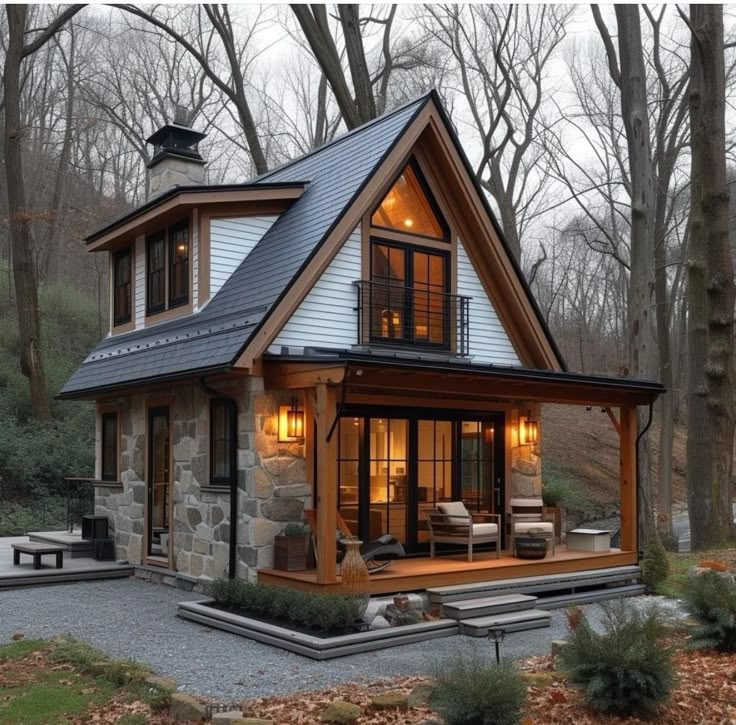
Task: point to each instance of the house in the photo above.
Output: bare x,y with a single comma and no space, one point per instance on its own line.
346,333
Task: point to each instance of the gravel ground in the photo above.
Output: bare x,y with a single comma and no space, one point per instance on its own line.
136,619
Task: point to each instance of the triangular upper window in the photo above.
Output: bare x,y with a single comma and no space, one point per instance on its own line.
409,208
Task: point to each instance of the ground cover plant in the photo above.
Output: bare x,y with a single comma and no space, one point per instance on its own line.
710,597
333,613
626,669
65,680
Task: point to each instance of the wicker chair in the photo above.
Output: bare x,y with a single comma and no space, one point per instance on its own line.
527,517
452,523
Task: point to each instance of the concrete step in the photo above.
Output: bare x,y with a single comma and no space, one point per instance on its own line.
596,595
486,606
508,622
532,585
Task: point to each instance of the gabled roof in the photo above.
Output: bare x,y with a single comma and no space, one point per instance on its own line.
212,339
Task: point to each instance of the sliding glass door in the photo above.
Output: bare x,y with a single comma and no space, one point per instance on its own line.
393,469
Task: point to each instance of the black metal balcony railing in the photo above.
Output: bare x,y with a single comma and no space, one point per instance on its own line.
417,316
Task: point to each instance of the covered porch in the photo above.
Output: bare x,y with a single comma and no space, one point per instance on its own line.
351,385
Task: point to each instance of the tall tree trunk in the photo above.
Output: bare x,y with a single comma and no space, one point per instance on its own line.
712,390
24,273
642,352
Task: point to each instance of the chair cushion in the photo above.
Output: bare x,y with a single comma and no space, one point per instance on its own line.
519,503
524,527
455,511
484,529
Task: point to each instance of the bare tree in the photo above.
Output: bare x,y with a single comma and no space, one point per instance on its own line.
20,48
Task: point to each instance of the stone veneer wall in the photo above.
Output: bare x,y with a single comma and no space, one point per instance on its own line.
526,460
272,483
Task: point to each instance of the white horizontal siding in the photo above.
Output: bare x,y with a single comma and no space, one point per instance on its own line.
231,240
488,340
139,291
326,317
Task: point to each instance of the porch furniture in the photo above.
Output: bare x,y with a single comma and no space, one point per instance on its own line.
531,546
374,553
37,551
527,515
104,550
589,540
94,527
452,523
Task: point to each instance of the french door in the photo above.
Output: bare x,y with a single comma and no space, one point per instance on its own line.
395,468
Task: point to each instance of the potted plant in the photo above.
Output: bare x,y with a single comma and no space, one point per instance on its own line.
290,548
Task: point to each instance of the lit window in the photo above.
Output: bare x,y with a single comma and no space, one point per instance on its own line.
179,265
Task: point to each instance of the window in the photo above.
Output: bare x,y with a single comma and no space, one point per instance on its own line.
179,265
109,446
409,208
121,287
409,300
223,433
156,274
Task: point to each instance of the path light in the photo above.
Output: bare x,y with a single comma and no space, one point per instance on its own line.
496,636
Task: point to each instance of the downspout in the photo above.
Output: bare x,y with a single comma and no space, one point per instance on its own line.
231,566
636,446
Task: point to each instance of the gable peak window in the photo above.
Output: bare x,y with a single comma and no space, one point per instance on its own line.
409,207
121,263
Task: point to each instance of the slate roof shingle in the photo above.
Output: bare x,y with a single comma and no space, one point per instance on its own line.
212,338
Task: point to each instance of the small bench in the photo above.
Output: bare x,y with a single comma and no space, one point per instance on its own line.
37,551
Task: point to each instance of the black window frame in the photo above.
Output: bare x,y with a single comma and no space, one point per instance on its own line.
408,312
117,318
107,475
231,426
173,230
151,240
434,206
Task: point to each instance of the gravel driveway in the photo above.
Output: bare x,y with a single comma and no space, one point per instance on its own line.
136,619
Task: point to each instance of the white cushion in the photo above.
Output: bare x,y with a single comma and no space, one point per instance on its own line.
524,527
455,511
526,502
484,529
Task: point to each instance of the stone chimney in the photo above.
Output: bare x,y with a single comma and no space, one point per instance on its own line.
176,159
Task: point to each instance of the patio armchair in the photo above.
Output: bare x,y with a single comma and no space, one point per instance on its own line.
527,518
452,523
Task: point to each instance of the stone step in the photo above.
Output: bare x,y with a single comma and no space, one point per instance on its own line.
596,595
571,581
508,622
484,606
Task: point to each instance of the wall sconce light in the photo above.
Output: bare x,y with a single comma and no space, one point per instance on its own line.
291,422
528,430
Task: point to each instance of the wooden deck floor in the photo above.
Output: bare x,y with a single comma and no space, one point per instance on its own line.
413,574
76,569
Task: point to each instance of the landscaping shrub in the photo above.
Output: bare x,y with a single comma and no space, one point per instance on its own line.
324,612
711,600
655,566
557,490
470,691
627,669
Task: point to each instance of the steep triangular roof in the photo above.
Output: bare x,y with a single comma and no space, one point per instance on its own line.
213,339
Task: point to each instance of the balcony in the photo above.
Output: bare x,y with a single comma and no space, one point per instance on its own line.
415,316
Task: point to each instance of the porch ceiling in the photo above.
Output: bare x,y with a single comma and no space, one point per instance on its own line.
386,375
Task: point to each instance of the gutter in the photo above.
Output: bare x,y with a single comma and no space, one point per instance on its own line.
233,543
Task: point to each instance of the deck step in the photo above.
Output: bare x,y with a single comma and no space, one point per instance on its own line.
571,581
596,595
486,606
508,622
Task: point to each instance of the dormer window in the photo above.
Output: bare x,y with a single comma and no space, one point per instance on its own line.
121,286
167,268
155,274
179,264
409,208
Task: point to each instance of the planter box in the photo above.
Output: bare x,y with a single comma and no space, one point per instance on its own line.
290,553
318,648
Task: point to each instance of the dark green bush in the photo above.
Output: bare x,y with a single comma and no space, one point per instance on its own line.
711,600
323,612
471,691
627,669
655,566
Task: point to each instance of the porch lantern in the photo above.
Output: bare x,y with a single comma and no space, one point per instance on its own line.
291,422
528,430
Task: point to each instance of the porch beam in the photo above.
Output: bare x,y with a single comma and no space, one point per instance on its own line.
614,420
628,483
295,375
326,452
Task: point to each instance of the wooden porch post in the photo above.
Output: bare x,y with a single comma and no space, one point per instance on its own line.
627,447
326,503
